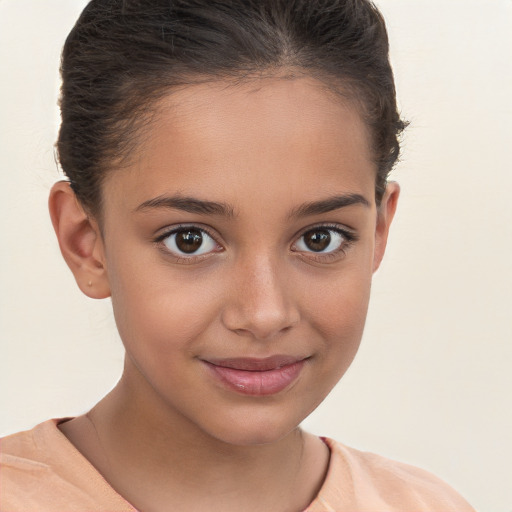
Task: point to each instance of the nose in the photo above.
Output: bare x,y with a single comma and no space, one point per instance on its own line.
261,302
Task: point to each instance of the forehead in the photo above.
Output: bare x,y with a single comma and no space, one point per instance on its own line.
262,137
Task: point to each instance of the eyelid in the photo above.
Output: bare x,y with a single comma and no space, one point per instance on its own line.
170,230
349,234
173,228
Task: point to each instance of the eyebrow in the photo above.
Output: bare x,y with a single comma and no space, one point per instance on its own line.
328,205
187,204
200,206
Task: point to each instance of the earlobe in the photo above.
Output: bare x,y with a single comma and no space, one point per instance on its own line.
385,214
80,241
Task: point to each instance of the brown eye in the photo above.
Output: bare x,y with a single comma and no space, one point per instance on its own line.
317,241
322,240
189,241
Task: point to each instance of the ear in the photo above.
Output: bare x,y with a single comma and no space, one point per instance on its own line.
80,241
385,214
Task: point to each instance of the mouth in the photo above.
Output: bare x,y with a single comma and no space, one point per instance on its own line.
257,377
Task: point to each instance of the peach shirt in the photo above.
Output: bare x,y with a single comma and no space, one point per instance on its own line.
41,471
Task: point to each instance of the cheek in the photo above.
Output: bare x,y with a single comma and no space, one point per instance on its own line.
338,301
158,310
342,314
337,311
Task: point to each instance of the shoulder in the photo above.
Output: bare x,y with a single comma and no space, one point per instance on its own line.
24,450
363,481
41,470
23,467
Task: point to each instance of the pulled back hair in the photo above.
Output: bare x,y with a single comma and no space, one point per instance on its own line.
124,55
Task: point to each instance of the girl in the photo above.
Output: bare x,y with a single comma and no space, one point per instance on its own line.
227,166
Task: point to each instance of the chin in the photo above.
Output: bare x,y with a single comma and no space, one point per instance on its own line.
254,429
253,437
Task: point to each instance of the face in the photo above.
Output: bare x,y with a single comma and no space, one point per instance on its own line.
239,247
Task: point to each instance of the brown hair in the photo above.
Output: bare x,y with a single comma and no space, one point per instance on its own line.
123,55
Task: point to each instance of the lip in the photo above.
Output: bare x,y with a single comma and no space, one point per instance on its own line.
255,376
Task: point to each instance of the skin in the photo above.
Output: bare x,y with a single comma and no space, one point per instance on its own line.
171,436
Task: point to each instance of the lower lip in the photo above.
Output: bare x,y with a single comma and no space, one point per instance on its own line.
258,383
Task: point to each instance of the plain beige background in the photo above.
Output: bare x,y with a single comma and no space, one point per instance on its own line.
432,382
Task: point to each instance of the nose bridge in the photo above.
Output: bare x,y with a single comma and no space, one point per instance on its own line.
260,303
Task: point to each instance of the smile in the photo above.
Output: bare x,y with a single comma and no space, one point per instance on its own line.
257,377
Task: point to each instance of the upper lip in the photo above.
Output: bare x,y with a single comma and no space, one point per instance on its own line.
256,364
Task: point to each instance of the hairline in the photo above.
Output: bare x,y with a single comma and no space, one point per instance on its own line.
151,106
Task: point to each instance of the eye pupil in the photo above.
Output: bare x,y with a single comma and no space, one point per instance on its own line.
189,241
317,240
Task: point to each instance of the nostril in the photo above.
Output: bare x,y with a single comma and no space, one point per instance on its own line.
258,333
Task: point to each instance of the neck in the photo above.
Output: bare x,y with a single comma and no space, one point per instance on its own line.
155,459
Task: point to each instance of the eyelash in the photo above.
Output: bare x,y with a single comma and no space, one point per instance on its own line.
349,237
193,258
